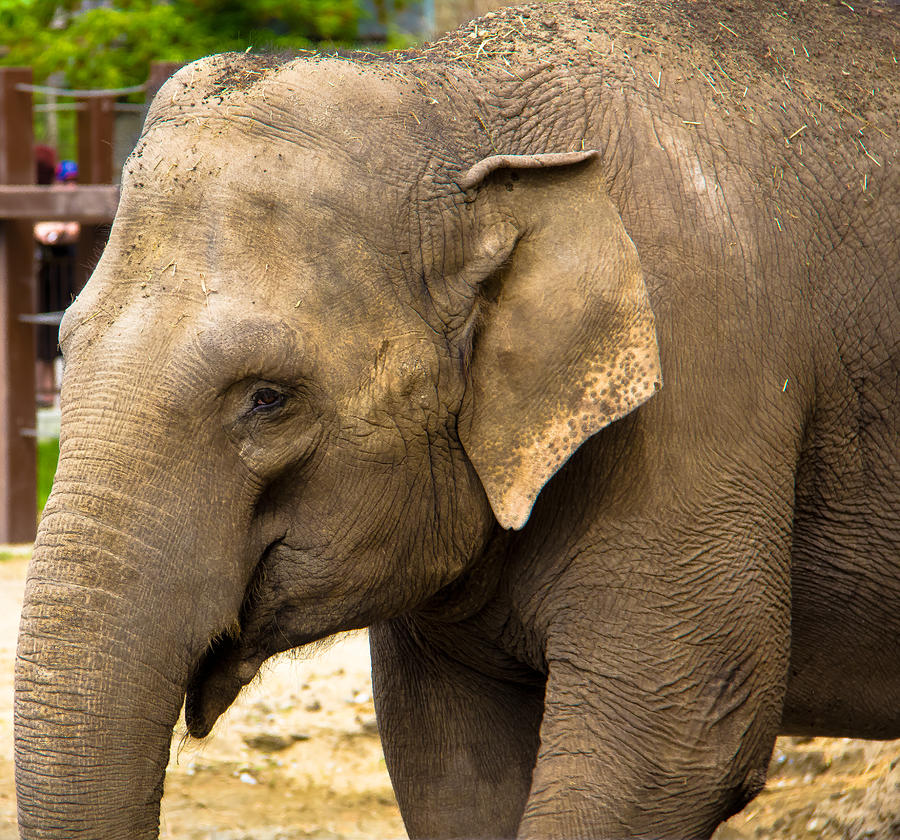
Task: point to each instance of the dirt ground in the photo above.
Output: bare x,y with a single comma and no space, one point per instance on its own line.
298,756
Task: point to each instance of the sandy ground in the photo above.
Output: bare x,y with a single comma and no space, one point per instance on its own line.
298,756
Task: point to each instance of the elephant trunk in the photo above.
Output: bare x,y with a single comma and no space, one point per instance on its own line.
118,612
95,705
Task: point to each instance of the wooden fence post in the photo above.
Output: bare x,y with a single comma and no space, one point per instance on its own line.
95,121
95,126
159,75
18,453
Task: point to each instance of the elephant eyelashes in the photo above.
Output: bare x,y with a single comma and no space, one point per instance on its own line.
266,399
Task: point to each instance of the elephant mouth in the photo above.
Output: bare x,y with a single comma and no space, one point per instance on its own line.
232,660
218,679
228,664
225,668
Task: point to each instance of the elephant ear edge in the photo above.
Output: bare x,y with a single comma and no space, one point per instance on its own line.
568,344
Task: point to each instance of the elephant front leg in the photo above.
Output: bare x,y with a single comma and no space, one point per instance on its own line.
459,745
658,723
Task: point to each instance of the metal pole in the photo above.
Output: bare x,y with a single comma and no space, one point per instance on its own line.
18,452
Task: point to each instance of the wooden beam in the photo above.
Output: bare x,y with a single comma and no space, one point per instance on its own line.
94,203
18,452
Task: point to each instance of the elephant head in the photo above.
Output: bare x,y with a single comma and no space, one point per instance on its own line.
311,374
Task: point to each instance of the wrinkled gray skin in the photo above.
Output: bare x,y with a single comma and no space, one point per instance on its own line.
336,347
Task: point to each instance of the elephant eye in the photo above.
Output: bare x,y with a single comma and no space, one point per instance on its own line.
266,399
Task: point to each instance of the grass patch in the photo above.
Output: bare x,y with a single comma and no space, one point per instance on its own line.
47,456
14,552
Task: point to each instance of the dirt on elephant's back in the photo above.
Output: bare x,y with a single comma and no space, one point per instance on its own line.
298,756
819,73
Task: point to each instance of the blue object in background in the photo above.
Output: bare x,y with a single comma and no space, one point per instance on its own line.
66,170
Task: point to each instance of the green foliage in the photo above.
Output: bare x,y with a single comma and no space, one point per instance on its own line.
113,45
47,456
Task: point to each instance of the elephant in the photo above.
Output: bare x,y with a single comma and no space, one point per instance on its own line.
563,353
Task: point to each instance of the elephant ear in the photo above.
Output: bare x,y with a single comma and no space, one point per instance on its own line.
564,339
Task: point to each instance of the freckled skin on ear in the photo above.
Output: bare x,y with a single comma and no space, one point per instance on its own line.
569,345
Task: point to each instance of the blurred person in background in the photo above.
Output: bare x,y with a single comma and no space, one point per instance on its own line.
56,246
